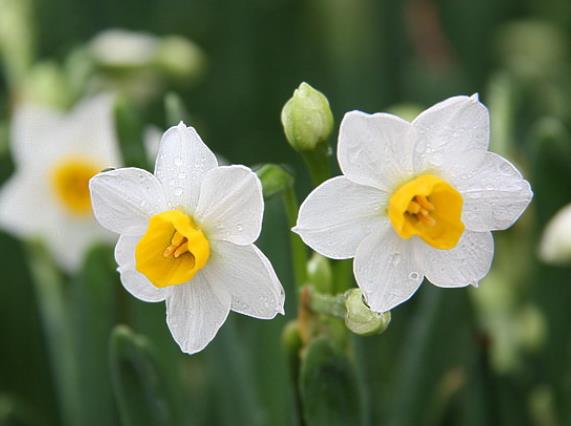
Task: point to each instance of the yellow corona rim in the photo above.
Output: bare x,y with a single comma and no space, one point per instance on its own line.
172,250
430,208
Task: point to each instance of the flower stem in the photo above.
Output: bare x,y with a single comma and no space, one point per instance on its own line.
50,298
298,251
327,304
317,163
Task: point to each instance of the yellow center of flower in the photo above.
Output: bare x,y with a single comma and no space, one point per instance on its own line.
429,208
172,250
70,182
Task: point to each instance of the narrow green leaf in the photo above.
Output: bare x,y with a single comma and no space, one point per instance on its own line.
329,389
129,125
139,384
93,316
54,314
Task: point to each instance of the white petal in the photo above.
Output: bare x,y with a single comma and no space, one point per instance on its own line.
31,130
375,149
495,195
555,246
338,215
22,197
68,239
134,282
195,312
90,131
124,199
248,276
386,271
182,161
452,136
231,206
465,264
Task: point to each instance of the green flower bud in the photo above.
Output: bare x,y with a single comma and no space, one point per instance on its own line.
291,339
180,58
319,273
307,118
45,84
274,178
360,319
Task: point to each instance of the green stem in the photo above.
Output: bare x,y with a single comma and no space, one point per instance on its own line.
317,162
298,251
55,321
327,304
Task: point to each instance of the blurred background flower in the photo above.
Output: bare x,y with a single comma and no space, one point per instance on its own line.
495,355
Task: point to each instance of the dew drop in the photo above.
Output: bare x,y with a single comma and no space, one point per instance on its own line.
413,276
395,259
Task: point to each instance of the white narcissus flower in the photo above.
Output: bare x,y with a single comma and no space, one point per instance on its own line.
416,200
187,237
55,155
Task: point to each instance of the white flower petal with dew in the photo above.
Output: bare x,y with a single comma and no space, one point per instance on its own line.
124,199
447,143
195,313
248,277
386,271
231,205
368,140
495,195
338,215
467,263
182,161
224,203
452,136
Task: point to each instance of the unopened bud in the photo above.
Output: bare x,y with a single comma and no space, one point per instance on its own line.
319,273
180,58
307,118
274,178
360,319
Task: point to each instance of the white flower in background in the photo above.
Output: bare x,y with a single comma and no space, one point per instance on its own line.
55,155
122,48
187,237
555,246
416,199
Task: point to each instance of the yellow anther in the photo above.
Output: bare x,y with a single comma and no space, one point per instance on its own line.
182,249
413,208
177,242
424,203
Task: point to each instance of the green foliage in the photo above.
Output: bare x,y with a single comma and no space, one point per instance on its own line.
328,386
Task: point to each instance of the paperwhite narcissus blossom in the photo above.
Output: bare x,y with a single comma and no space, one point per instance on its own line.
55,155
416,200
187,237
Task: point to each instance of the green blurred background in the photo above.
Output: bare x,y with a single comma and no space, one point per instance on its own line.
497,355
